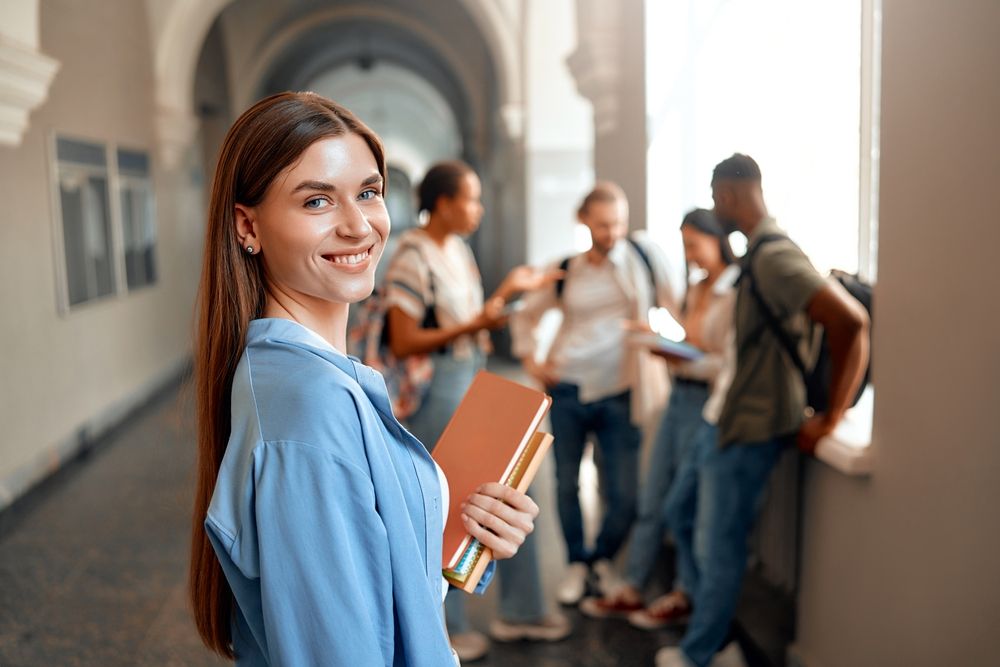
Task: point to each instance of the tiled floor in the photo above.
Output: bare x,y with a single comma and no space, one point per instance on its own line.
93,565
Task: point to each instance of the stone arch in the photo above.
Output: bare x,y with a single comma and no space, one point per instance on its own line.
187,22
282,45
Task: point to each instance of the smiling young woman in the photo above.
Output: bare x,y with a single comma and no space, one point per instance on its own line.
317,519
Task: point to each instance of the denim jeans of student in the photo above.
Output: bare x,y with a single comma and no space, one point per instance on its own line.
730,485
672,449
618,440
521,598
685,510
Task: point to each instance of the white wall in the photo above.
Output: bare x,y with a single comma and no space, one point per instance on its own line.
559,132
901,569
64,373
19,22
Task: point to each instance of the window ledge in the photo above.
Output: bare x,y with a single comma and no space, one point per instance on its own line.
848,448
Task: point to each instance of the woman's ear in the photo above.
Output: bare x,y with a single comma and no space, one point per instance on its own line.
246,229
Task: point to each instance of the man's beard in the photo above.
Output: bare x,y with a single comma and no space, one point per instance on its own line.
603,250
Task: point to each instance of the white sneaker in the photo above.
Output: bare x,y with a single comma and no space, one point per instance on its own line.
608,581
470,646
729,656
550,628
671,656
573,584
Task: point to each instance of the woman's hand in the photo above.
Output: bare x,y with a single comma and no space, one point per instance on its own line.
637,326
527,279
500,518
491,316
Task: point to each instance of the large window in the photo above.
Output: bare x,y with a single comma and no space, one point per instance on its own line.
791,83
106,227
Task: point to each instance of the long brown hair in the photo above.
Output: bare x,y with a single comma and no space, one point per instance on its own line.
262,143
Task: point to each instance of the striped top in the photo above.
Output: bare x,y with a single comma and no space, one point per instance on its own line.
457,290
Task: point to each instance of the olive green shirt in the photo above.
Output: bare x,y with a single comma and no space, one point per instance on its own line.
767,398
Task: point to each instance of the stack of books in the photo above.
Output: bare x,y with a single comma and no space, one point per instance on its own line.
492,437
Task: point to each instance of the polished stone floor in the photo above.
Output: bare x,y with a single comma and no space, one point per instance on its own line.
93,563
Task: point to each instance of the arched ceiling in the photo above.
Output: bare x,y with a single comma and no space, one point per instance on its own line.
477,38
415,122
364,42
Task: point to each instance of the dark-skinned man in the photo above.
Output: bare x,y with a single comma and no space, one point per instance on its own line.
764,411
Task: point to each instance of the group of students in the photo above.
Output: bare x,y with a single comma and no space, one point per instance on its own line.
318,515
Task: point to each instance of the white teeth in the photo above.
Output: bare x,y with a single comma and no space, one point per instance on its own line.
350,259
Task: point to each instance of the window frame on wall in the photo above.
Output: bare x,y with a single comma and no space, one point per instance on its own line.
115,183
137,183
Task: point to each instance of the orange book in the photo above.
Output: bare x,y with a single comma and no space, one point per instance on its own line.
492,437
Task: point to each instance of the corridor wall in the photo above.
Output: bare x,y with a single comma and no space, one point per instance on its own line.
69,374
900,568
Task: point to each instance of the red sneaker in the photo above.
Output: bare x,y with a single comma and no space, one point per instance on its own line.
608,607
671,609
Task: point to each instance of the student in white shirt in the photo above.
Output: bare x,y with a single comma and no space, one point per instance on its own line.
599,385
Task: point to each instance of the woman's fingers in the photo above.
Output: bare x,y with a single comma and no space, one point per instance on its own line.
478,505
509,531
501,548
499,517
509,496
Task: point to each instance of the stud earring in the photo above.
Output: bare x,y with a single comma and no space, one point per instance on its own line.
249,249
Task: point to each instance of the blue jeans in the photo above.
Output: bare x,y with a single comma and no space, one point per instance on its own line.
671,451
731,482
610,420
521,597
685,511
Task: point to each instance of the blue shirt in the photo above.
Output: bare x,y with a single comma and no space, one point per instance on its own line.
326,514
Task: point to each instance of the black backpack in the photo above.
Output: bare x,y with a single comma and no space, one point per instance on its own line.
817,378
560,284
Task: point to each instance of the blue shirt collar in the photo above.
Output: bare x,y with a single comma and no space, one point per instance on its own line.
289,331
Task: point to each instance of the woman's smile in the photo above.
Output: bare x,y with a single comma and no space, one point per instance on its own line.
352,261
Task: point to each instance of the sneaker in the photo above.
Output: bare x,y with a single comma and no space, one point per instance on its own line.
614,606
671,656
573,584
729,656
470,646
608,581
550,628
671,609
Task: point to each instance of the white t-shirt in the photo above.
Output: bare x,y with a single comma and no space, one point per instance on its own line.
591,348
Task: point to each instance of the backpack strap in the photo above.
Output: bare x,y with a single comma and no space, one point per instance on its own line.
430,273
644,256
560,284
773,323
430,320
561,281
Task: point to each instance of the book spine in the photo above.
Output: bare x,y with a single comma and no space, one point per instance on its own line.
473,554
